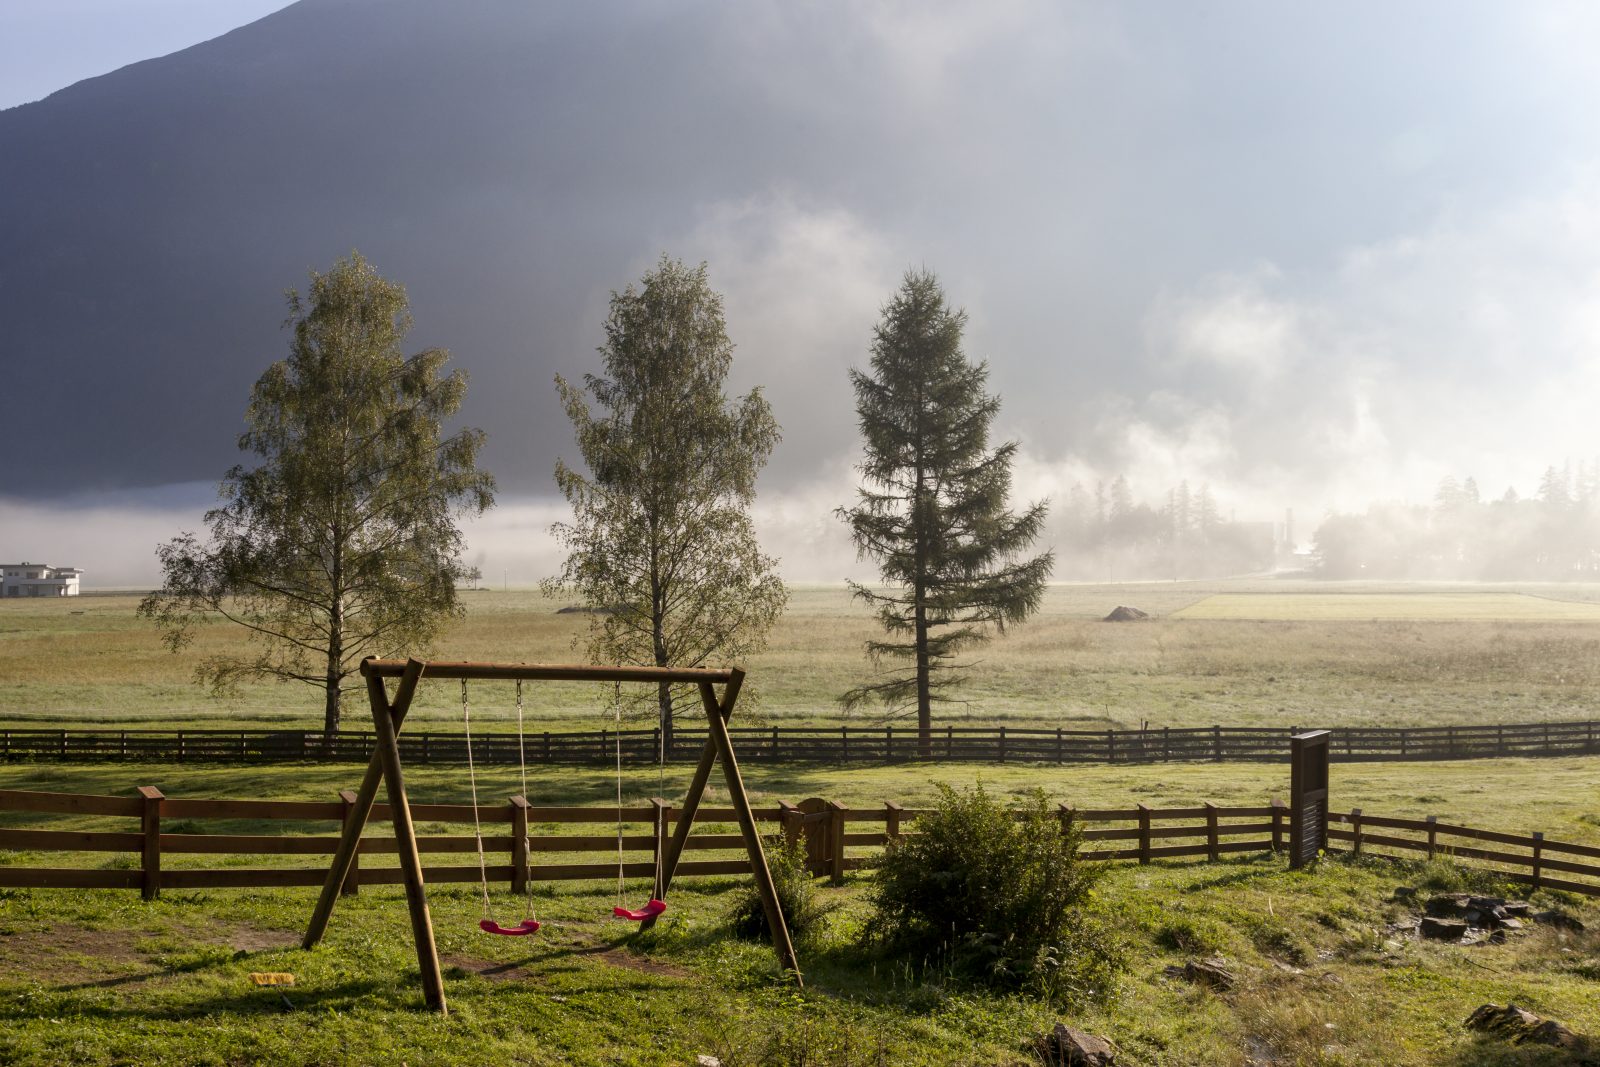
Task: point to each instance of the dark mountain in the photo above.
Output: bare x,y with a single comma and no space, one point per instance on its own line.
509,162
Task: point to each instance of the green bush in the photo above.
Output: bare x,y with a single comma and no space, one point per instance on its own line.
995,896
804,911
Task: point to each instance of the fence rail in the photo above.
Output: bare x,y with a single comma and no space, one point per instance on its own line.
556,848
843,744
831,833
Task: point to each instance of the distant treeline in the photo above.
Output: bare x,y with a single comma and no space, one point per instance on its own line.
1554,536
1104,534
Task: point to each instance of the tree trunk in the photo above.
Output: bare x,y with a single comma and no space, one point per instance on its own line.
658,639
330,707
924,694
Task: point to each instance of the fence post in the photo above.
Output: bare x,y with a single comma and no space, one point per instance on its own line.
1538,856
891,820
789,821
888,743
836,842
1355,831
659,811
1403,736
1067,817
1002,744
1278,809
844,744
1433,834
352,881
1111,746
1058,744
150,823
519,844
815,828
1216,742
1166,744
949,741
1211,832
1144,834
1308,796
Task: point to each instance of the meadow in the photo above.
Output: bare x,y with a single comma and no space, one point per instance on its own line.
1327,973
1274,657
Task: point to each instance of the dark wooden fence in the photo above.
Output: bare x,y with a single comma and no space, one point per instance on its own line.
519,835
843,744
1530,860
560,843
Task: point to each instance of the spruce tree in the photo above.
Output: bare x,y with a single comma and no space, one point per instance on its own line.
932,509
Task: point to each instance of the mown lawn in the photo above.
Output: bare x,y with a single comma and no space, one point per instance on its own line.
1326,974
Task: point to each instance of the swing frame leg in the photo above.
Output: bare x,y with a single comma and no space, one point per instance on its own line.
719,746
387,718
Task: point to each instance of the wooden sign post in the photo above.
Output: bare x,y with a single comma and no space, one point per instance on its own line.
1308,796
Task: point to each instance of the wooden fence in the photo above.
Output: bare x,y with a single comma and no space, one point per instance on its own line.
550,843
520,834
1531,864
843,744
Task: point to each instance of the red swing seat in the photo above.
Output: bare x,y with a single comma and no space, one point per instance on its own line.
526,926
649,911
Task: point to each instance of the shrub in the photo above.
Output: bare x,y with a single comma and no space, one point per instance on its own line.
994,896
804,911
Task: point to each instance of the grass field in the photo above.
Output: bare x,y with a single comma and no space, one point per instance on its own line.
1389,607
1324,978
90,661
99,977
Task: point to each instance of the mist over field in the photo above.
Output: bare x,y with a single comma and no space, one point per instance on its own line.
1296,257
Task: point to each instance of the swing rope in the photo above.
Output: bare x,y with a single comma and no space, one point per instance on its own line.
528,910
616,707
487,923
656,906
472,778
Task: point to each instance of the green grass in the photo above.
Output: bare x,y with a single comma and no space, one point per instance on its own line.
99,977
105,667
1389,607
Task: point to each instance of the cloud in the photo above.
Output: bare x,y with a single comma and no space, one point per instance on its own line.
1468,347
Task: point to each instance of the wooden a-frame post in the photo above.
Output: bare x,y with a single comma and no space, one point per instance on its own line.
385,767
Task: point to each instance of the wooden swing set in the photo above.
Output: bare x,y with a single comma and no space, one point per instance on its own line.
388,716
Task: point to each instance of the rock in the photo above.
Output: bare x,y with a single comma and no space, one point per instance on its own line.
1448,905
1509,1021
1509,924
1560,919
1123,613
1517,909
1522,1027
1404,892
703,1060
1443,929
1067,1046
1212,973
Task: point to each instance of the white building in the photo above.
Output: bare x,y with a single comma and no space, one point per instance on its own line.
36,579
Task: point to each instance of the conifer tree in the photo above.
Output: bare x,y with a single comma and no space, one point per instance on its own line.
932,509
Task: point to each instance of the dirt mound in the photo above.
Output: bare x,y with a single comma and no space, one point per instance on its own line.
1123,613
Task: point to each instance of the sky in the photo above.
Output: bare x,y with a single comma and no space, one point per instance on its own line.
1311,256
47,45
